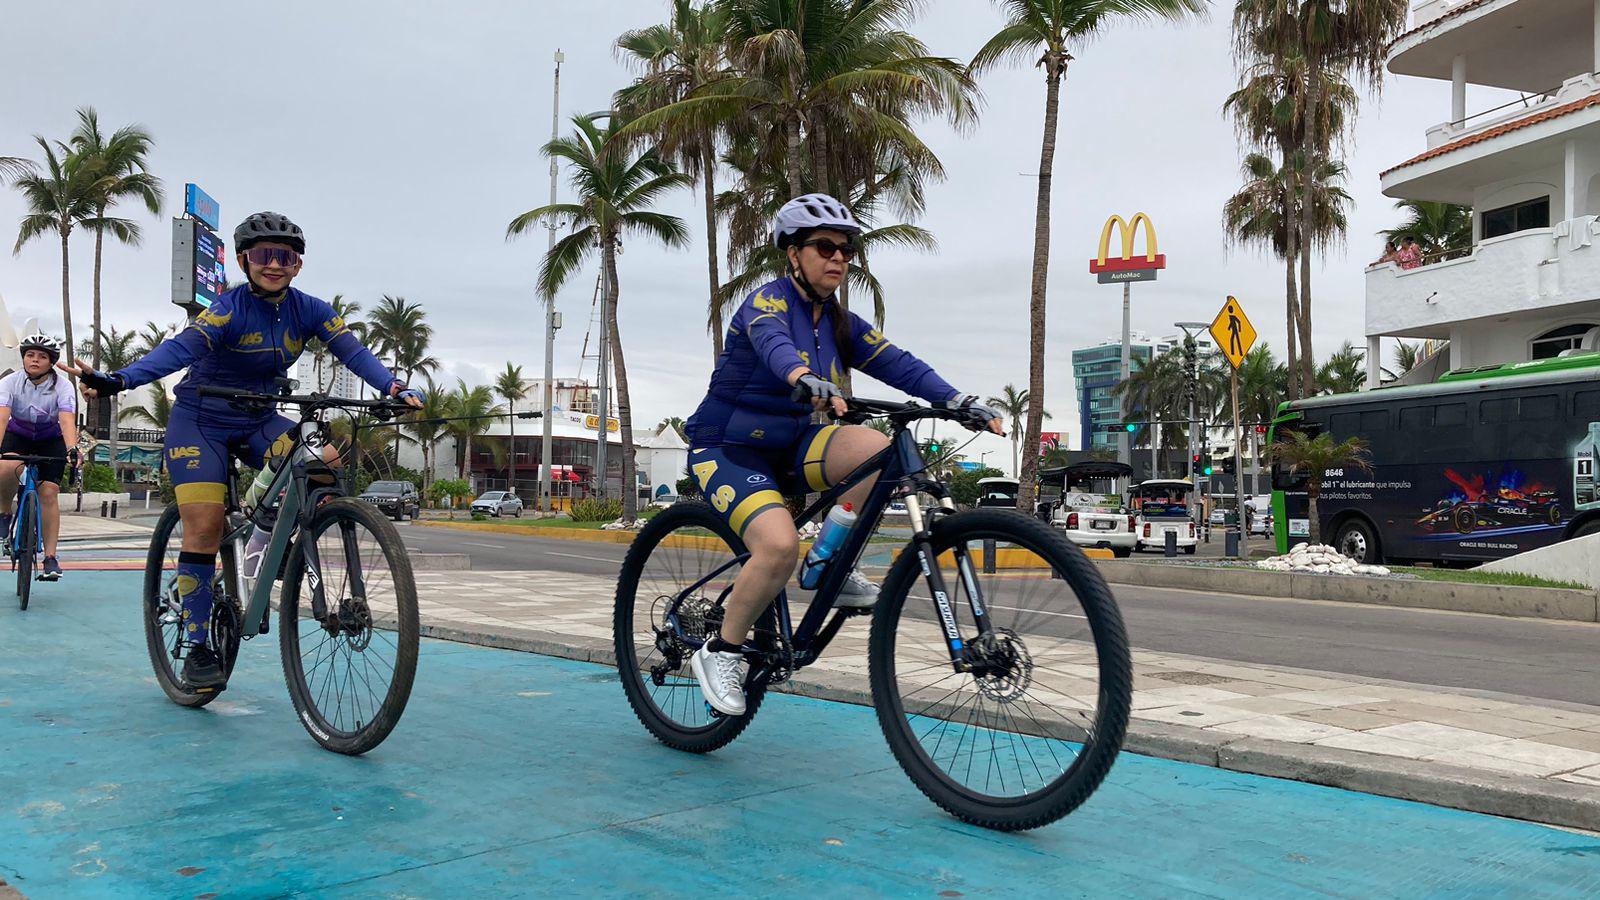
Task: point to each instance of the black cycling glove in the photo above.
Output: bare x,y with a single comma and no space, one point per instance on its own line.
812,387
101,383
980,415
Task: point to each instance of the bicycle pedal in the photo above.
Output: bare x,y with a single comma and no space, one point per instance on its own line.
266,624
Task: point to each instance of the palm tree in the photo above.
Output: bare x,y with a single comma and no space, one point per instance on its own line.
1013,404
156,412
471,409
1047,31
1316,455
60,198
395,322
151,336
1342,373
15,166
121,168
679,58
1342,40
675,423
426,427
615,190
411,355
1154,389
508,385
1440,228
1263,384
1406,356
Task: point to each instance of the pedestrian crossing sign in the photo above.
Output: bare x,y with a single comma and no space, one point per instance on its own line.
1233,332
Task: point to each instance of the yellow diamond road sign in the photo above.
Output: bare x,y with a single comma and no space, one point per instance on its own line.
1233,332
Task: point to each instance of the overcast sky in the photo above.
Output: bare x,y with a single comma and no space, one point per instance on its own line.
403,138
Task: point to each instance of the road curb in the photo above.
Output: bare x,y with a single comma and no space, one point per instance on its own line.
1456,787
566,534
1493,599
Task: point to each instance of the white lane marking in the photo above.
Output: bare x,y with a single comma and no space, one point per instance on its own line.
490,546
581,556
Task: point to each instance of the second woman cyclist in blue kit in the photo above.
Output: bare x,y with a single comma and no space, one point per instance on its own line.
248,338
749,436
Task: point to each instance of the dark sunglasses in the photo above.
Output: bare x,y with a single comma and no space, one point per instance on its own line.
827,249
273,256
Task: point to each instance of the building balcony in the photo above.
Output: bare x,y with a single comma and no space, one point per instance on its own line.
1504,278
1520,45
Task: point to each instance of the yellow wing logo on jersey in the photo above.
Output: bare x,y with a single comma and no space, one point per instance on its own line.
292,345
770,304
213,319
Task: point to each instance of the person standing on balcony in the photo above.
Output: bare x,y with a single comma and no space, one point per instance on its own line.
1390,253
1410,255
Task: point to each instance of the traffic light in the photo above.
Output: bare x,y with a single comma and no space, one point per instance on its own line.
1201,466
1132,427
933,446
1227,465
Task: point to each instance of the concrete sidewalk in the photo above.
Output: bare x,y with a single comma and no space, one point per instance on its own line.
1527,759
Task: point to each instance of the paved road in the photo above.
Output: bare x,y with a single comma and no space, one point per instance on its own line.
518,775
1521,657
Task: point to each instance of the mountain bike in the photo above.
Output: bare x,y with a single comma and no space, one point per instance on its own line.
998,663
25,543
347,605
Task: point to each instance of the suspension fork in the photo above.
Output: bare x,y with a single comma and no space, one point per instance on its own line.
922,545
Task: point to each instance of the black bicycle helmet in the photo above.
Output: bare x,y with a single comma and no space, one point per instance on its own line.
268,226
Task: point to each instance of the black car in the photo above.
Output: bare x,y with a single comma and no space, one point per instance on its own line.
397,499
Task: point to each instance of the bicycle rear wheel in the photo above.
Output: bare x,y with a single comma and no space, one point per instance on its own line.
27,546
1026,733
350,672
163,612
682,546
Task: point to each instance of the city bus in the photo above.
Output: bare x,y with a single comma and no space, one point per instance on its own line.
1482,464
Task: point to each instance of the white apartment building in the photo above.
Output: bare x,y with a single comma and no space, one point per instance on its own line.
1530,170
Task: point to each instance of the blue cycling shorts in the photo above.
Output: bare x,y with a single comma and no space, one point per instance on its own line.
741,482
199,445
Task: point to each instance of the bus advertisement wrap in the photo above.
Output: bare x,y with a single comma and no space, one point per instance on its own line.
1464,470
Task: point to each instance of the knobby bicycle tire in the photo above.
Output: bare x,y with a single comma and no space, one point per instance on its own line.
1089,768
381,721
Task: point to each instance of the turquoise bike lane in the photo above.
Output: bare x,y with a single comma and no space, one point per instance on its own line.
525,775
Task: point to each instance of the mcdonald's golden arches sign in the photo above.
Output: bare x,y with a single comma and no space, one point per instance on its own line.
1128,266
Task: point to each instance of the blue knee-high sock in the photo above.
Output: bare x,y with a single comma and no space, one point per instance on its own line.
195,572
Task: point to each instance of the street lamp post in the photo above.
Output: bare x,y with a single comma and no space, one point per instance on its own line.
552,319
1191,377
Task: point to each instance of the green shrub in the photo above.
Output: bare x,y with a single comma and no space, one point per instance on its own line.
445,488
964,484
590,509
688,487
164,484
98,479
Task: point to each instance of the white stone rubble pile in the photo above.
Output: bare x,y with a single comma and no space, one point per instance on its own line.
1318,559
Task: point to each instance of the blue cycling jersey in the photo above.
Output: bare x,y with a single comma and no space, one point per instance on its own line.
772,335
245,342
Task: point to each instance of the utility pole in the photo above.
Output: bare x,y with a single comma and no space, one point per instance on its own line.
1191,392
552,320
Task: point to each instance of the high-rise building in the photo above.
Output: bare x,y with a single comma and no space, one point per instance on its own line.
1096,373
1528,285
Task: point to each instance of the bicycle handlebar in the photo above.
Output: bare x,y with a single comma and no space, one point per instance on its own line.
860,409
238,395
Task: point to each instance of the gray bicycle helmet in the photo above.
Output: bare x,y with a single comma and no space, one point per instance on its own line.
41,341
808,213
268,226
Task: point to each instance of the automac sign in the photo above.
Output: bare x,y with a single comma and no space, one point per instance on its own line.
1128,266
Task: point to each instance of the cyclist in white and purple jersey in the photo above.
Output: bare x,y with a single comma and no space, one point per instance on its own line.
39,415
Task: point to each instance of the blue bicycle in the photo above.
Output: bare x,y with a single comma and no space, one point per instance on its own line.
25,543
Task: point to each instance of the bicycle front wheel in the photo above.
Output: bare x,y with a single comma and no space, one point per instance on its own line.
27,546
350,666
1027,729
163,612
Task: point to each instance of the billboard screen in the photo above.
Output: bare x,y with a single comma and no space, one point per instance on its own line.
210,274
199,204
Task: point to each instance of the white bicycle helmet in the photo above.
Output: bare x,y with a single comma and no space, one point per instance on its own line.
812,211
41,341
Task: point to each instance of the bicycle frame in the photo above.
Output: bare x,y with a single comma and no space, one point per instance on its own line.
294,496
900,469
27,486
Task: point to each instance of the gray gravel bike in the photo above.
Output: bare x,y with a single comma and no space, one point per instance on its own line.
998,662
344,592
